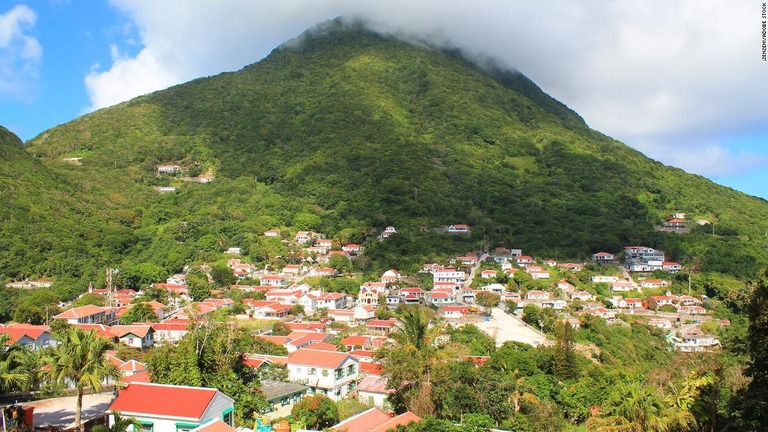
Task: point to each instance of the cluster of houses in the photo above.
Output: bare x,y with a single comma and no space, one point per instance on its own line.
318,360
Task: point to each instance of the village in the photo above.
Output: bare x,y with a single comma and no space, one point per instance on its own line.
331,337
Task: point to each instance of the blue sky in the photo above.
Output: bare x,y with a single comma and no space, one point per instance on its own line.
681,81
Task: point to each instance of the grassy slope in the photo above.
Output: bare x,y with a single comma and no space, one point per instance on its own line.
365,130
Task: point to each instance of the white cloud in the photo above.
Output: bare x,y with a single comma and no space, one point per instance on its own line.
643,72
20,54
705,157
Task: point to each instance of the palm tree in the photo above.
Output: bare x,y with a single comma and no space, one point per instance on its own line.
416,329
12,373
79,358
638,407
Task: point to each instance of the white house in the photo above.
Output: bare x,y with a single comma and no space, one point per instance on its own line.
88,314
172,408
448,274
697,343
602,257
496,288
455,312
331,300
458,228
331,373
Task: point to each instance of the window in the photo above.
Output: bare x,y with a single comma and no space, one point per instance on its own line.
284,401
339,373
350,369
227,416
185,427
312,371
350,386
146,427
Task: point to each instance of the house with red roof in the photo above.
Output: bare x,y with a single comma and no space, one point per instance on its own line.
374,420
136,336
458,229
381,326
324,271
172,408
442,297
170,331
655,302
331,300
602,257
88,314
524,260
33,337
653,283
694,310
333,374
454,312
582,295
352,248
537,295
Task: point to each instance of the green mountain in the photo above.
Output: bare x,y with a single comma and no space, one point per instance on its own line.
346,131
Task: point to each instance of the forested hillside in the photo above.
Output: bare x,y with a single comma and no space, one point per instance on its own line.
346,131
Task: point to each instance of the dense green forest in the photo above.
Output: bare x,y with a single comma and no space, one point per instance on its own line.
345,131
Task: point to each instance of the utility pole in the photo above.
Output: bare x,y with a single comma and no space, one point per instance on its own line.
110,288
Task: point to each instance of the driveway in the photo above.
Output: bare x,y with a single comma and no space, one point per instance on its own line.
505,327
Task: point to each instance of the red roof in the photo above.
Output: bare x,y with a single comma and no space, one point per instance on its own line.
371,368
80,312
324,359
17,331
278,340
164,400
478,360
142,377
217,425
324,346
355,340
374,420
381,323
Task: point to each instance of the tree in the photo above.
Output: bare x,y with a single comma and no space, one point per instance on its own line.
80,358
639,407
141,275
488,299
340,263
755,398
564,366
89,299
415,330
199,287
141,312
280,329
12,374
222,276
316,412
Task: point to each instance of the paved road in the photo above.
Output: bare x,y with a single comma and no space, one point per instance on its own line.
473,270
504,328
